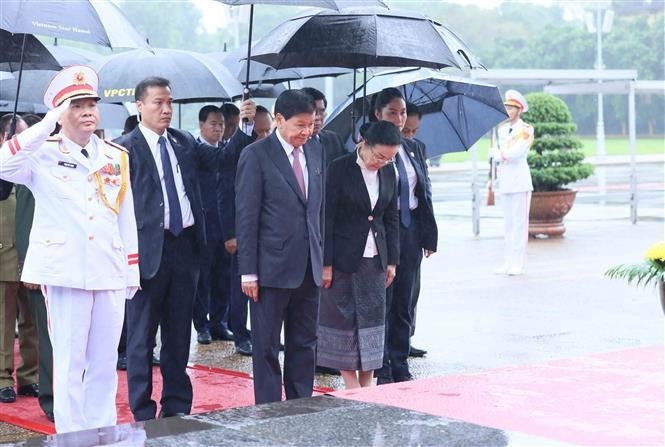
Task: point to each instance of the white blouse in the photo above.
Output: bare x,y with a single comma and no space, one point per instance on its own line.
372,184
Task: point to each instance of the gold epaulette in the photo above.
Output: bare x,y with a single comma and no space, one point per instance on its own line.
54,138
117,146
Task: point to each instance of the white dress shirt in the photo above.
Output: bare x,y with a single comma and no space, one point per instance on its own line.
288,149
372,184
153,143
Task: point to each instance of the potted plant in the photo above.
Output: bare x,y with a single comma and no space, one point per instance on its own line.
555,160
649,271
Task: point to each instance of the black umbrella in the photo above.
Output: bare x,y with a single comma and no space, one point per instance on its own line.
34,82
456,111
194,77
98,22
260,73
329,4
35,54
363,37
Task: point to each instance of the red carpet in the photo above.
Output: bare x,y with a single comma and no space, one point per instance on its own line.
214,389
604,399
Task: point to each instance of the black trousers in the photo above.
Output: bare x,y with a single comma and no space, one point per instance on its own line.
166,300
238,305
298,310
211,306
37,305
398,303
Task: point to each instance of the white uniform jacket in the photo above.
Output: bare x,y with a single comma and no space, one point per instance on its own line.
84,231
513,174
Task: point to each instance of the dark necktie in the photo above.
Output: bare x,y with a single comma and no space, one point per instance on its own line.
404,212
85,153
175,214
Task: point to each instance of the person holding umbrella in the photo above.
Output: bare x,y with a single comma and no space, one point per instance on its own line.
513,181
83,244
417,232
361,250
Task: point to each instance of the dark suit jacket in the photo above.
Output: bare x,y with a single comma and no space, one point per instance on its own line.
333,147
226,189
349,216
279,232
425,210
147,191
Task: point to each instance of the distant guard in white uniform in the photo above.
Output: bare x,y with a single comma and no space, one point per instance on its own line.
513,181
83,244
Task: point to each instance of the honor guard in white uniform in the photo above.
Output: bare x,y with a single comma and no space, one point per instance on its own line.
513,181
83,245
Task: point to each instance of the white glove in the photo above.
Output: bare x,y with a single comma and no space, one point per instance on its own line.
35,135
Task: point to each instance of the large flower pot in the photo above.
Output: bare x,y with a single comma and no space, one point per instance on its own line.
547,211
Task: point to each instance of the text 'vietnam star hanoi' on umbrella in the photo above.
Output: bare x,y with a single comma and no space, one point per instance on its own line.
194,77
456,111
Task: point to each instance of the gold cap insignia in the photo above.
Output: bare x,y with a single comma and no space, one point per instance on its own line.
79,78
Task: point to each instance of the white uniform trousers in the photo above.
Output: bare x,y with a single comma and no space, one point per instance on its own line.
85,328
516,229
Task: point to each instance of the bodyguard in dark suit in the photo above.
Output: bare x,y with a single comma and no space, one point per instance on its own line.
164,165
332,144
211,304
279,206
418,236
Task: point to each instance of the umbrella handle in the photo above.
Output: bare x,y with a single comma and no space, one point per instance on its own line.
246,92
12,127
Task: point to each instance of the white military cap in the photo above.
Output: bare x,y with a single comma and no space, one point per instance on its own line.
75,82
515,98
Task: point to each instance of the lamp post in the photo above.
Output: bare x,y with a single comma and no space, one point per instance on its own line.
599,20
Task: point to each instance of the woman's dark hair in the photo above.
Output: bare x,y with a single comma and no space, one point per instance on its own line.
381,132
382,99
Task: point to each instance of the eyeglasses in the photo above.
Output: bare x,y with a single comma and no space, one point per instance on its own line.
380,158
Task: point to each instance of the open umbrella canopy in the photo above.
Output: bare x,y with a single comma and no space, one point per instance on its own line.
98,22
35,81
194,77
456,111
35,54
328,4
235,60
363,37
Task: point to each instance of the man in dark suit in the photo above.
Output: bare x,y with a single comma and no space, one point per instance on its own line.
411,126
332,144
164,165
212,293
417,236
279,207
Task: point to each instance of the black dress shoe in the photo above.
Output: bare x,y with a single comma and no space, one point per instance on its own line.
222,335
50,416
167,414
382,380
407,378
244,348
31,390
415,352
204,337
7,395
326,370
122,362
